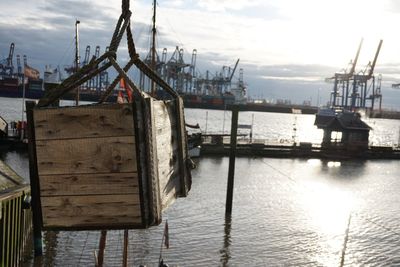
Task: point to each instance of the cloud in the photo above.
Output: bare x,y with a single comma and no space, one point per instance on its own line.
224,5
284,46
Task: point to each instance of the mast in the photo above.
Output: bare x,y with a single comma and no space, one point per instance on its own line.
153,46
77,57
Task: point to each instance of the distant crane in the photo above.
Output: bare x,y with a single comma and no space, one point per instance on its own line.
351,89
19,66
87,55
6,66
360,84
342,80
234,69
222,81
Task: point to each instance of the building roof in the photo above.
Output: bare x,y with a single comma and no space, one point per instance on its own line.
341,121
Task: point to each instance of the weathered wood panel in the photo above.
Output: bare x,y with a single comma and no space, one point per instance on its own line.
84,121
83,211
89,184
166,152
94,155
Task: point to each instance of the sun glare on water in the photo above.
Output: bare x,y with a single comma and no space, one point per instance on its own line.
327,208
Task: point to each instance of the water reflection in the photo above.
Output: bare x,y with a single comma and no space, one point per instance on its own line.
225,251
50,250
345,169
50,240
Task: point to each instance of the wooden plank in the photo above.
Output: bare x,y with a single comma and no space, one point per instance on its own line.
167,147
89,184
91,211
84,121
183,155
164,115
152,163
93,155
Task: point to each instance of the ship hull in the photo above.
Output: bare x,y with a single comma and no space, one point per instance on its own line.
34,90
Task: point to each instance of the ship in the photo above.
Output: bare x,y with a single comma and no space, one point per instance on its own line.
25,81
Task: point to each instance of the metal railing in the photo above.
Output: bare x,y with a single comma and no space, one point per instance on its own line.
15,225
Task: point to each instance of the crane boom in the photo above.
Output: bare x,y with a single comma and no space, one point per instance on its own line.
10,56
371,71
87,55
97,52
353,67
234,69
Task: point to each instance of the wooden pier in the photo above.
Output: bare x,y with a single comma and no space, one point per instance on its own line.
262,148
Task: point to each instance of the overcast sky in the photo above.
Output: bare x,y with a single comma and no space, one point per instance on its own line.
286,47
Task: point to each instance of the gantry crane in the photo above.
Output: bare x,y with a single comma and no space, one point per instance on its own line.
87,55
360,90
6,66
352,90
342,82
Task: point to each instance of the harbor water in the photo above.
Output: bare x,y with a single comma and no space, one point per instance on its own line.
286,212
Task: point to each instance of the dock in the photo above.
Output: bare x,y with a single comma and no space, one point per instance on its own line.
263,148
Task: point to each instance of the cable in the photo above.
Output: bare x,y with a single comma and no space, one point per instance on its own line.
378,224
282,173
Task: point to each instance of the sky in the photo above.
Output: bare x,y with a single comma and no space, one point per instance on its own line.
286,47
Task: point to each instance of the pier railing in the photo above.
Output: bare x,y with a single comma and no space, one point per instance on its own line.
15,225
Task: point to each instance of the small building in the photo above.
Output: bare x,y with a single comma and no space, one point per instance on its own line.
343,129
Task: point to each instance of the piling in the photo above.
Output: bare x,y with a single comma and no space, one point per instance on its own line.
35,189
102,247
232,157
125,252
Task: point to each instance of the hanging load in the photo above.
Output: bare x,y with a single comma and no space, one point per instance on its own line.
108,166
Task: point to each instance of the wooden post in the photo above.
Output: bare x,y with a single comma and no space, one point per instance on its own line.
102,247
34,180
232,156
125,252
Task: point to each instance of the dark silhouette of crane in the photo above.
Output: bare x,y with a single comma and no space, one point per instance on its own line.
352,90
6,65
342,82
361,86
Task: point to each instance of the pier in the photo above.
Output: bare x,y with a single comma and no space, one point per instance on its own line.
263,148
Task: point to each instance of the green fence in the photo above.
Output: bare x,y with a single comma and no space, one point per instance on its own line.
15,225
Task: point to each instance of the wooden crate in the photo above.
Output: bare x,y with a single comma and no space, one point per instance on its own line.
109,166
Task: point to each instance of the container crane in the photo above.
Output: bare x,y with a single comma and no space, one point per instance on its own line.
19,67
360,84
6,66
234,69
342,81
192,69
87,55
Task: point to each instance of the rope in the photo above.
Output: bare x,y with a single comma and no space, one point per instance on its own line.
378,224
92,69
346,239
107,60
